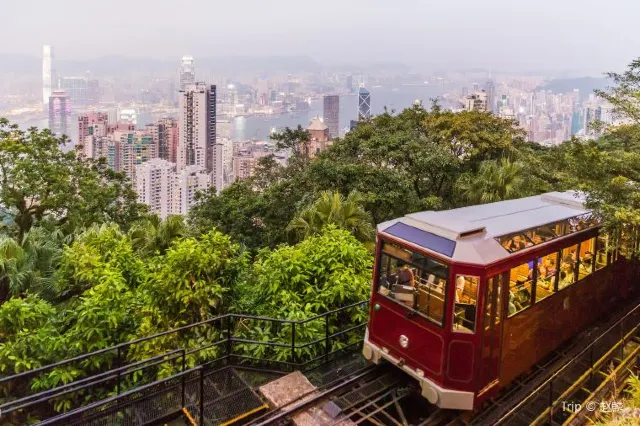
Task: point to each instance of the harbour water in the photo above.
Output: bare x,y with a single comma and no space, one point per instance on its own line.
393,98
259,127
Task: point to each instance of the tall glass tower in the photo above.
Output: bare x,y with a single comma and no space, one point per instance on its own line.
364,104
187,72
47,73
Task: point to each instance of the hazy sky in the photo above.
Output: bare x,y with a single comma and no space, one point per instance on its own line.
586,35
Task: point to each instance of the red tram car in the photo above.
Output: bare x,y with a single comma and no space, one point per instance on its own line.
466,300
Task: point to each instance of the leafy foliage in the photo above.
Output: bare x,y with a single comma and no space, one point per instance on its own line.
39,182
332,208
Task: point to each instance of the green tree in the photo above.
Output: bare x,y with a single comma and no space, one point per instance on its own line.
189,282
29,265
153,235
624,94
495,181
39,181
321,273
332,208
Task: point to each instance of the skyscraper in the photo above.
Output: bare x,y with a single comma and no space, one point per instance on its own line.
196,124
331,115
187,72
364,104
349,83
47,74
59,111
76,88
490,88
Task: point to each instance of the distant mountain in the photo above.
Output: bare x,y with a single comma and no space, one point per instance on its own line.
585,85
110,65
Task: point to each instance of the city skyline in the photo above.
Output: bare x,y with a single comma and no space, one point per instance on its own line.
455,35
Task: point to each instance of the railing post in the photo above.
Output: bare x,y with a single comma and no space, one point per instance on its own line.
326,338
293,342
229,348
183,376
201,397
118,365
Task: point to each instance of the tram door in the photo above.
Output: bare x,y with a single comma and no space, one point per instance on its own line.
492,331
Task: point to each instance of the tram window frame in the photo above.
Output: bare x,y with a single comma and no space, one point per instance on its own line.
552,278
531,264
465,310
571,277
591,269
425,289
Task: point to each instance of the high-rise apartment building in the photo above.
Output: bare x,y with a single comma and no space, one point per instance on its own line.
196,124
48,77
59,112
132,149
188,182
331,115
187,72
92,132
165,136
155,181
364,104
91,124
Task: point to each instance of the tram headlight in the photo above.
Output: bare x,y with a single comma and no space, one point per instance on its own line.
404,341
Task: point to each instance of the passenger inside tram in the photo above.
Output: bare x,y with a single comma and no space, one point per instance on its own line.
520,282
413,280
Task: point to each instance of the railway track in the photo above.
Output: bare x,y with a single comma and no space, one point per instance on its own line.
574,375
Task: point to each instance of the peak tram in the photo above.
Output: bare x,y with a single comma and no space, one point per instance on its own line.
466,300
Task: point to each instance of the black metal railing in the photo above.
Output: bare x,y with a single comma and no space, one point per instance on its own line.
549,400
233,339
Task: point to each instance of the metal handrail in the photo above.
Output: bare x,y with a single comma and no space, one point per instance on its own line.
8,407
171,331
120,351
555,375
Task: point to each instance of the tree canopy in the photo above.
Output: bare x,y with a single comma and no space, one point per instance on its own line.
40,182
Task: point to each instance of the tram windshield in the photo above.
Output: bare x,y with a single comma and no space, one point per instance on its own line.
414,280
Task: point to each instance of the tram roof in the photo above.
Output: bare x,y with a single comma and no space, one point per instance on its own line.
470,234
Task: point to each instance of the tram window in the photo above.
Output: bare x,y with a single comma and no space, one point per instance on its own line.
414,280
514,243
586,258
568,264
520,281
602,251
466,301
546,282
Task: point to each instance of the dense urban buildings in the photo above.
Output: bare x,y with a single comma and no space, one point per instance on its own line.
47,74
331,115
92,128
59,112
476,102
